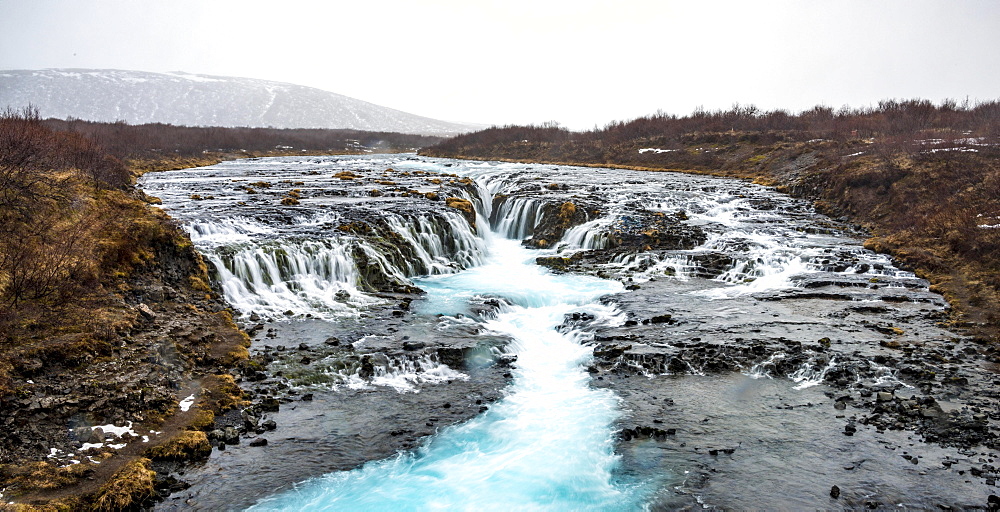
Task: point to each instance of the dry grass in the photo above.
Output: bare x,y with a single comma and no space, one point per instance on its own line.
128,488
187,445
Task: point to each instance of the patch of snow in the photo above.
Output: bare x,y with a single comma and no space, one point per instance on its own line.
859,153
117,431
87,446
193,78
187,403
655,150
961,150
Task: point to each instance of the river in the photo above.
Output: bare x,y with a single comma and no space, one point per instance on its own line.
686,342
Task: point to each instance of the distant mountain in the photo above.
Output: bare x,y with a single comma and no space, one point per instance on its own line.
186,99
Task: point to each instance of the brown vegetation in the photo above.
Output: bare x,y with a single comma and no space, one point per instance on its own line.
185,144
922,177
79,250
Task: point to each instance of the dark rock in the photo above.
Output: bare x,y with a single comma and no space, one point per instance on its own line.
231,435
413,345
269,404
662,319
146,312
835,492
260,441
609,352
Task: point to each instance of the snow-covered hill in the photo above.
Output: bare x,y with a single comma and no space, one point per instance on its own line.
199,100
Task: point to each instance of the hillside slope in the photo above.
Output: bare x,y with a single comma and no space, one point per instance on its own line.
138,97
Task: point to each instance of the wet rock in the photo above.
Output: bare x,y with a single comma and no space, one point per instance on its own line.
145,312
835,492
269,404
662,319
260,441
452,357
367,369
96,435
230,435
413,345
609,352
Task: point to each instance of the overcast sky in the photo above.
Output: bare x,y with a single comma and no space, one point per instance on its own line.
581,63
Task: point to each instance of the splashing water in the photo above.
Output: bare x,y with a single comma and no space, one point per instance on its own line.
549,445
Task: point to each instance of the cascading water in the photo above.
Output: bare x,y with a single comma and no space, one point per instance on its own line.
716,287
547,445
314,277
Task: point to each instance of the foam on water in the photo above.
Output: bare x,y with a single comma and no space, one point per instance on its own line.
548,445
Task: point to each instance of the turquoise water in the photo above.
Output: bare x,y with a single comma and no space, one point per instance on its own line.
548,445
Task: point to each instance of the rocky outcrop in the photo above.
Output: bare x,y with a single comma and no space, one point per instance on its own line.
176,330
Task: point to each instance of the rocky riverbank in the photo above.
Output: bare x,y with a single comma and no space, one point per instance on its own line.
760,340
85,406
895,376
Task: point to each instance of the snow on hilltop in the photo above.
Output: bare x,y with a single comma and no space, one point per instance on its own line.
187,99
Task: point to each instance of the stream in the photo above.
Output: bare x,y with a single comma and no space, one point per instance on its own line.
659,341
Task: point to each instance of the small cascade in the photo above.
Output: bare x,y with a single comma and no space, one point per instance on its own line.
226,230
882,375
316,278
517,217
809,375
406,374
403,373
762,262
765,368
441,245
328,276
592,235
643,266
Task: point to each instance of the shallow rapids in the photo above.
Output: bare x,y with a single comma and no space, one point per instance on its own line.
548,445
669,343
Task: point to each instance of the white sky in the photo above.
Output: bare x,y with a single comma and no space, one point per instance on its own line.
581,63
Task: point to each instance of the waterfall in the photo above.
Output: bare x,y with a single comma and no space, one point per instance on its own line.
589,235
547,445
441,245
328,277
306,277
517,217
